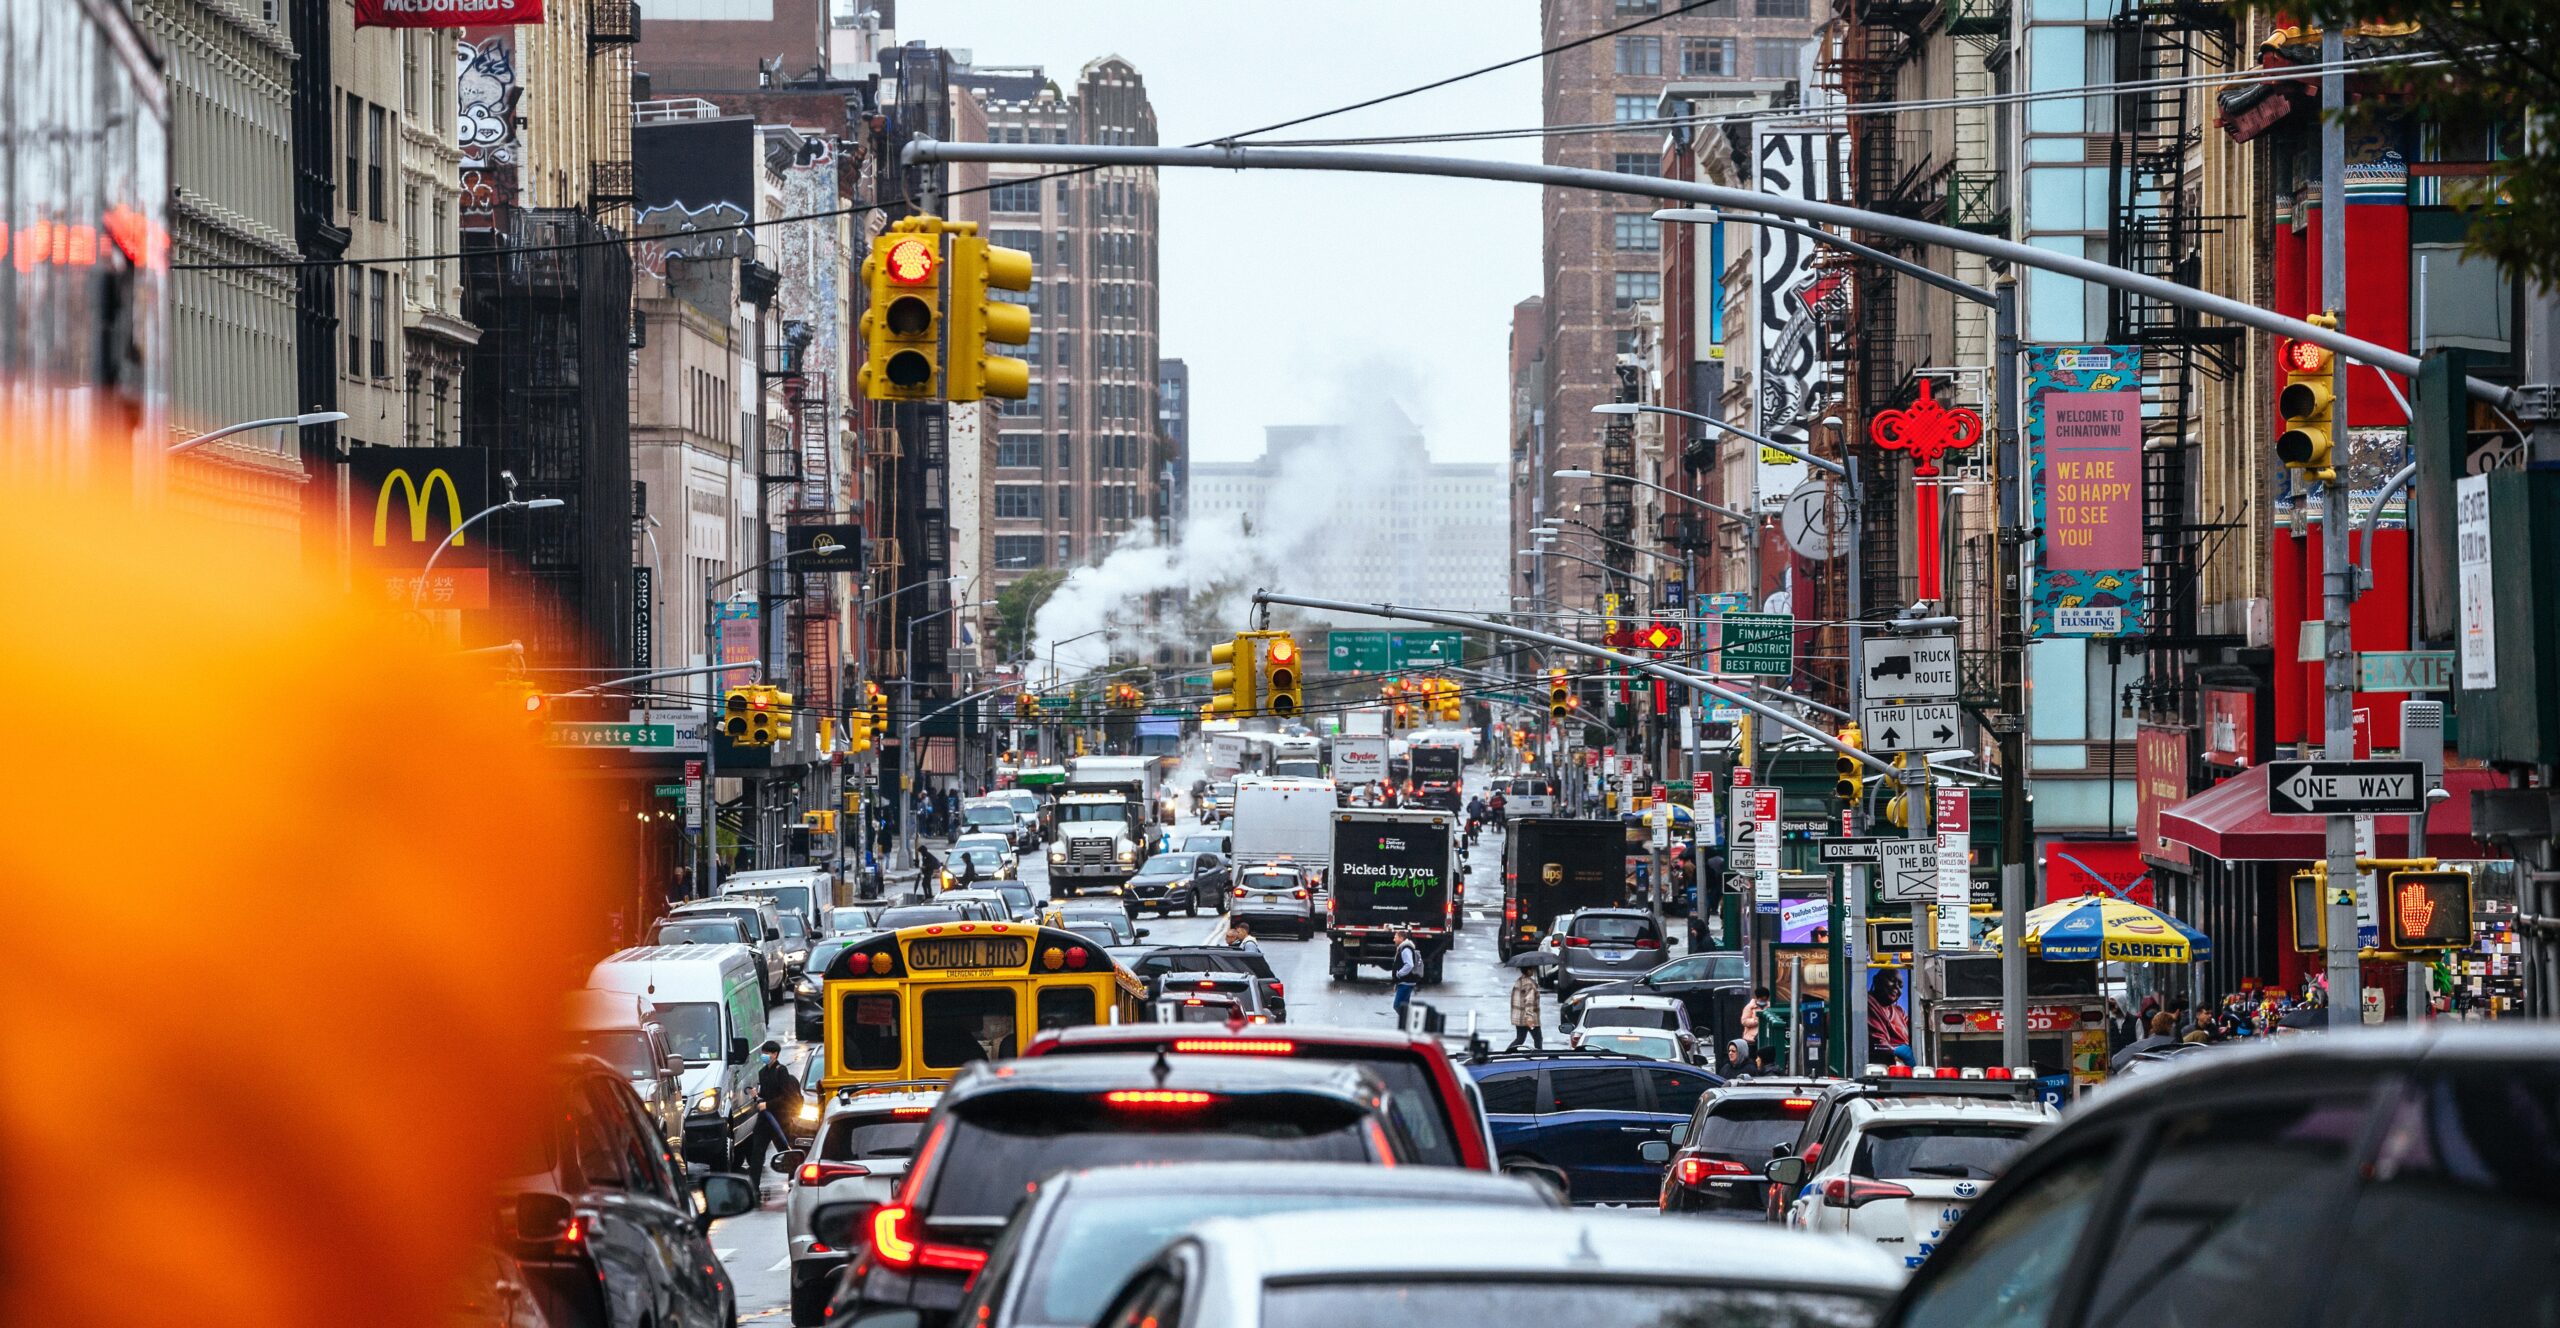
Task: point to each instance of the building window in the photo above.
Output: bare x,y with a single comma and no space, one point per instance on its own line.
1028,405
381,339
1066,453
1638,8
1066,300
355,322
1066,548
1634,108
378,137
1782,8
1066,503
1636,230
1014,196
1776,57
1018,449
1640,55
1020,501
1706,57
1066,400
1635,163
352,135
1626,341
1637,286
1014,551
1026,241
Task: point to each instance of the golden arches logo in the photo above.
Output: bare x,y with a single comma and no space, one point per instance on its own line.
421,503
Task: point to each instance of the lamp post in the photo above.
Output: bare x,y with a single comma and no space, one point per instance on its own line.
302,421
1748,522
418,587
906,705
1645,581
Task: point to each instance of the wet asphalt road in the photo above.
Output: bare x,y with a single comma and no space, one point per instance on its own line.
1475,987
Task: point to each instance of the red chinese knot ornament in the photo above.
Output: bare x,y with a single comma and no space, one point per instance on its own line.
1927,429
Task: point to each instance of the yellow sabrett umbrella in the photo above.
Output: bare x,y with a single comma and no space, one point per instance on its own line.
2102,927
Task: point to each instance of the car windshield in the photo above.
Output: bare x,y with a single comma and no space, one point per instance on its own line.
1024,802
1100,933
1614,928
1090,811
1205,844
1636,1044
1004,1145
1937,1151
795,929
1299,769
1629,1016
1404,1303
708,931
1750,1130
1098,1242
859,1138
916,915
1167,864
787,898
823,954
851,919
1015,892
987,861
625,1049
693,1030
988,815
1224,788
1270,880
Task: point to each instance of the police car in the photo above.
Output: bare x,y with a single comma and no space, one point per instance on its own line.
1899,1167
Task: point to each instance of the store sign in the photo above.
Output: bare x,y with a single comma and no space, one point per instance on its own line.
2040,1019
445,13
2230,728
2159,782
2084,440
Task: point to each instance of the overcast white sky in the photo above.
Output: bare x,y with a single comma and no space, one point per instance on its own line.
1296,297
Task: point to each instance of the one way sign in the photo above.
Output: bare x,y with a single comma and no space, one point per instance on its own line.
1923,726
2346,788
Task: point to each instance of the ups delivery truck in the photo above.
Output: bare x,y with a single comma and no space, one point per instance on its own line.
1553,865
1391,868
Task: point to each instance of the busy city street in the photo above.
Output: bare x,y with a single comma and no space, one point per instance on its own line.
1157,664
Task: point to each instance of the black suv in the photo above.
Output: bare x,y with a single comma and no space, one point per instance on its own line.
2408,1176
1151,967
1716,1159
1002,1128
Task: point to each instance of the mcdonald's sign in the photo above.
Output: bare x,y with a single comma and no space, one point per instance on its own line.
405,501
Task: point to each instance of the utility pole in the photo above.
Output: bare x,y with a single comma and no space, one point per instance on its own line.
2011,724
2337,575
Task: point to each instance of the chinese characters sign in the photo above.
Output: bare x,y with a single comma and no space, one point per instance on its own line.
2084,468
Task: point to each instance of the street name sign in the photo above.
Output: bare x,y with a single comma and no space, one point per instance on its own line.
1907,870
2406,670
1847,848
613,735
2346,788
1760,644
1916,667
1925,726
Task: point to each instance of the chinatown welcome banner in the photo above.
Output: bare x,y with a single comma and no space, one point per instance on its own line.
445,13
2084,470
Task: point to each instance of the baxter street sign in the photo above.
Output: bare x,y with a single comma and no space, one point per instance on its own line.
2346,788
1926,726
1761,644
2406,670
613,735
1917,667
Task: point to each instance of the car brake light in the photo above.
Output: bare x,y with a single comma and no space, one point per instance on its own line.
1240,892
819,1173
1208,984
1648,945
1696,1170
1157,1097
1798,1104
1299,894
1236,1046
894,1240
1853,1192
910,1111
1897,1072
1510,907
1279,988
1577,941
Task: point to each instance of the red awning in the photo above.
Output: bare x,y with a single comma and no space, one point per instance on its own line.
2230,821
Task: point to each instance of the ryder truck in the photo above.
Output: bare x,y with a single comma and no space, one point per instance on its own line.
1390,869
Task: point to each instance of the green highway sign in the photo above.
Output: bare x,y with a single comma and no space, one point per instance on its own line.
1356,652
1762,644
1058,701
612,735
1379,652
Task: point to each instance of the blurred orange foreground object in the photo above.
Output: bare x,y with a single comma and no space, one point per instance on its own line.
290,906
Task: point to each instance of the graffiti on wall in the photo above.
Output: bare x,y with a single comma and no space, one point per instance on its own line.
678,231
809,256
697,183
1797,371
490,98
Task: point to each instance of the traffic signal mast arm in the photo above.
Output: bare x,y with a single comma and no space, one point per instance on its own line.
1648,667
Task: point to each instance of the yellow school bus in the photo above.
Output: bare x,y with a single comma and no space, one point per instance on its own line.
920,1002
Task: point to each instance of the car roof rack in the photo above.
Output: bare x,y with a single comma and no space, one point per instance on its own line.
1564,1053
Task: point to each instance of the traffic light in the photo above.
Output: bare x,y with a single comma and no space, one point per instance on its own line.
760,717
734,705
783,709
857,732
1897,809
1559,696
821,822
2309,414
879,711
2429,910
902,330
1281,665
1233,675
1844,769
525,701
978,267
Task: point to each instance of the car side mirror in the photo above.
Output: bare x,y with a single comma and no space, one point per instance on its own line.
1785,1172
737,1051
844,1226
1680,1134
1141,933
724,1194
789,1159
542,1219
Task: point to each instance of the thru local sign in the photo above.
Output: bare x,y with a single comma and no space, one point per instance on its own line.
2346,788
1925,727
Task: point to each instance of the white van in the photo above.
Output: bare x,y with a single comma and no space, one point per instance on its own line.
807,891
622,1030
708,1001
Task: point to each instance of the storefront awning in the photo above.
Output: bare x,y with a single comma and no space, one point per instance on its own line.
2230,821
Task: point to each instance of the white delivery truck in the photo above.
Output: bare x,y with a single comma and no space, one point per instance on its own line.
1360,758
1283,818
1108,812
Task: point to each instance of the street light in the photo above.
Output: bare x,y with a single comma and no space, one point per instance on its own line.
1586,528
1823,464
906,705
1645,581
303,421
1719,509
418,588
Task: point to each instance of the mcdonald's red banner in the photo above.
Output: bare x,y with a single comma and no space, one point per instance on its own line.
445,13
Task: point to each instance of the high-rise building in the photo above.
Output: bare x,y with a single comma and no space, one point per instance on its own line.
1173,426
1078,461
1365,513
1602,252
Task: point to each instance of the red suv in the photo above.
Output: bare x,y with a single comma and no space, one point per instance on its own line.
1434,1102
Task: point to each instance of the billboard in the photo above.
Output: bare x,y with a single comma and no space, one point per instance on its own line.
445,13
407,501
2084,474
1797,371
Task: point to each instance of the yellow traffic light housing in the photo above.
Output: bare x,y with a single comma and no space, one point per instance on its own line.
1232,675
1559,696
902,329
734,705
783,707
1845,771
857,731
1281,666
977,318
759,717
2308,441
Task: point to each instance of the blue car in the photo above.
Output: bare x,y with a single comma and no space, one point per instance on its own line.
1588,1114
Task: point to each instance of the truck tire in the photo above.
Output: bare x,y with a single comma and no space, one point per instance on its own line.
1341,968
1431,969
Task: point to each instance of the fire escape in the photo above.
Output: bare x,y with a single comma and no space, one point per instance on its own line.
1617,496
2155,228
613,30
